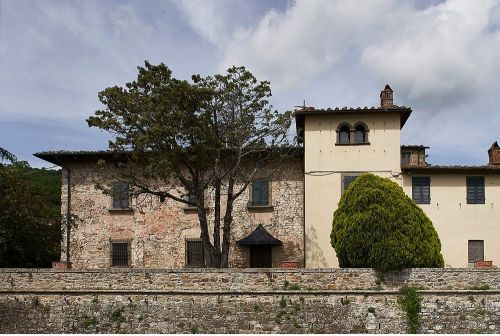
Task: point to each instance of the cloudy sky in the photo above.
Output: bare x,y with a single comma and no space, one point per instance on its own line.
442,58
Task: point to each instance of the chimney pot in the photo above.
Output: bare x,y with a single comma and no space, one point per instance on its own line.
494,154
386,97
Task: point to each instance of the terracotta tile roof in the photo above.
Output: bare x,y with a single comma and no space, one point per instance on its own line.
301,113
451,168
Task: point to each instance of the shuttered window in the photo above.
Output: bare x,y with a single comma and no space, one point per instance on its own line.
194,253
476,250
421,189
121,196
405,158
347,180
119,254
475,189
260,192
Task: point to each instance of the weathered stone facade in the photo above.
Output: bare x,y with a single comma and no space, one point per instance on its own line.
157,231
220,301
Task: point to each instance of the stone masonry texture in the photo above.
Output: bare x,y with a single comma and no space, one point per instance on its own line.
245,300
157,231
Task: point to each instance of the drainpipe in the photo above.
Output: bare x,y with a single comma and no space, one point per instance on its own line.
68,211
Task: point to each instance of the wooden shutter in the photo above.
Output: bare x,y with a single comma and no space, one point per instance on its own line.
421,189
120,255
260,192
475,189
194,253
476,250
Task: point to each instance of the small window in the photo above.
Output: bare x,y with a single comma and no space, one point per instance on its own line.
347,180
194,253
120,254
344,135
476,250
260,192
405,158
191,199
475,189
121,196
360,134
421,189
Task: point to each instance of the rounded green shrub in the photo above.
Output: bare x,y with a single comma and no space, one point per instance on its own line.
377,225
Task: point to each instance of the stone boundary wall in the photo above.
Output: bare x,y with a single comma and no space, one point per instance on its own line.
267,300
246,280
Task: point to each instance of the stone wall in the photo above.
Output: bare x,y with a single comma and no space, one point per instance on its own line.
157,231
266,300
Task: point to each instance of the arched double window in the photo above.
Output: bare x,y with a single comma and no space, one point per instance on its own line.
352,135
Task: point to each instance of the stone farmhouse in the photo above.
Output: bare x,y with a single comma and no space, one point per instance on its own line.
286,221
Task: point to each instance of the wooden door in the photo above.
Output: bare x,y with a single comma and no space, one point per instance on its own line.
261,257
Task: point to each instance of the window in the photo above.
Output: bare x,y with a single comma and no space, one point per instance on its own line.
191,199
121,196
421,189
405,158
347,180
476,250
360,134
475,189
344,135
194,253
260,193
120,254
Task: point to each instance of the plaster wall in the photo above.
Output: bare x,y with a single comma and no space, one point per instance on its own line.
326,163
456,221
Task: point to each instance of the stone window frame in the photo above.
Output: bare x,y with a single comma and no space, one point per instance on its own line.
269,206
186,259
352,134
129,252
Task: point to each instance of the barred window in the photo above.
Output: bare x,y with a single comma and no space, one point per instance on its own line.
120,254
421,189
260,192
121,195
194,253
475,250
475,190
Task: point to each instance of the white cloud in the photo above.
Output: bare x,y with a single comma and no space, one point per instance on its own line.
441,59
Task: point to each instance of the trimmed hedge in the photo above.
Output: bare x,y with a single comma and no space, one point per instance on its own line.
377,225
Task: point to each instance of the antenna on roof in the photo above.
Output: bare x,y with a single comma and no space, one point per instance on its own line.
303,106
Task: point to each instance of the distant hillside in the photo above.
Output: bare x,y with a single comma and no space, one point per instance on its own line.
47,183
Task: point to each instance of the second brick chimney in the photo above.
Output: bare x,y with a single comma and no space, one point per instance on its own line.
494,154
386,97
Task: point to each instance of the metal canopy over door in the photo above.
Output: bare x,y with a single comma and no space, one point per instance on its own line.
260,243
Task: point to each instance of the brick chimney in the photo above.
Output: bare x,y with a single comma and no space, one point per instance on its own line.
494,154
386,97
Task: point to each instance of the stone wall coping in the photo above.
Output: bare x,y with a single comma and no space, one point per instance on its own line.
245,292
240,270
